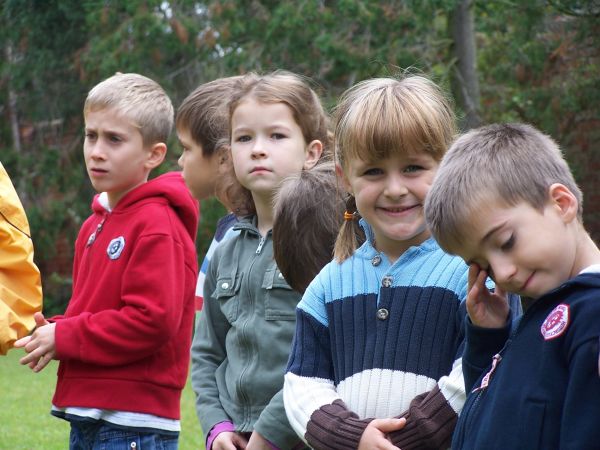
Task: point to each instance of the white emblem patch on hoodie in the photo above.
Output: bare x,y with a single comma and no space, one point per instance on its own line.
115,248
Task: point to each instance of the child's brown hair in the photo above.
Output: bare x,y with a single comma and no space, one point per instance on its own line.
294,91
308,214
518,163
204,113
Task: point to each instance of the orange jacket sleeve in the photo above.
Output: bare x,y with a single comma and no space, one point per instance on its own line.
20,284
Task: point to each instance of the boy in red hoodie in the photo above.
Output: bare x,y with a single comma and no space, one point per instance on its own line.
123,342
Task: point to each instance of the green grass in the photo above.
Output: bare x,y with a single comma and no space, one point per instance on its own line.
25,400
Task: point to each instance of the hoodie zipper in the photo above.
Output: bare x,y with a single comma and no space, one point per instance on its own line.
95,234
260,245
472,410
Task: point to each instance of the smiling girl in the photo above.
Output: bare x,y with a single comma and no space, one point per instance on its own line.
379,332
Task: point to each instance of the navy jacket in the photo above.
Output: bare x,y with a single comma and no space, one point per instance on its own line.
544,392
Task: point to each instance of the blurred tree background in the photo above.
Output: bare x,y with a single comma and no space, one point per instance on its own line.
501,60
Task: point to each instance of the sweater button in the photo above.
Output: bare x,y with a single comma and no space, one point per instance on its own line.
382,313
376,260
225,285
387,282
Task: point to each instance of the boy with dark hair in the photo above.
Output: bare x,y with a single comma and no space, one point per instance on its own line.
202,124
123,342
505,201
309,210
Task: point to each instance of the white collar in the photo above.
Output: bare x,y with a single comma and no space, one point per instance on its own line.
594,268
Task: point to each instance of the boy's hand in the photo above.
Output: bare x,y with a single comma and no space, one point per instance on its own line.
375,435
228,440
40,345
486,309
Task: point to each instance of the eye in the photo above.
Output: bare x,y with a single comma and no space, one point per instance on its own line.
508,244
243,138
278,136
373,171
114,138
413,168
90,136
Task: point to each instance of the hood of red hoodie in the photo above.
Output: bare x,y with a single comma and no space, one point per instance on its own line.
169,186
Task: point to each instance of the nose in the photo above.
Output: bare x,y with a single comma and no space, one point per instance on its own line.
258,148
96,151
502,270
395,186
180,161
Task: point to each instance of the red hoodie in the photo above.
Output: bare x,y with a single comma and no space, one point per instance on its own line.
124,340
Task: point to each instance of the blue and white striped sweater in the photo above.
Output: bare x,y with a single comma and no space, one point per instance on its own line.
425,296
376,335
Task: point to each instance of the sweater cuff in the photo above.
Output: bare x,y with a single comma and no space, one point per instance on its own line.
335,427
430,422
216,430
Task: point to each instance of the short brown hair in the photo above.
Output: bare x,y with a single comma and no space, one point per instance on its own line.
205,114
309,210
510,163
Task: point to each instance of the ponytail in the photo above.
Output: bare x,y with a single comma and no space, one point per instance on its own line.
350,234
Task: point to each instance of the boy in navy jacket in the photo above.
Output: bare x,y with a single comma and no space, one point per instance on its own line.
505,200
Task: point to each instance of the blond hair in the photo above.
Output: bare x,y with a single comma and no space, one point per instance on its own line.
138,98
382,117
507,163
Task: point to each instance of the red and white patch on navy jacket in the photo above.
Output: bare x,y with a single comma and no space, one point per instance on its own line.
556,323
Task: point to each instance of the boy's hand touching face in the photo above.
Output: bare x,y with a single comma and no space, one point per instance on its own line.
486,309
40,345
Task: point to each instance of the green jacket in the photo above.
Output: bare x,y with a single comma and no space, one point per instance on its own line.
243,339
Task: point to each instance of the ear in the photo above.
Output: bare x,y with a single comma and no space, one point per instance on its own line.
156,155
222,154
342,176
314,150
564,201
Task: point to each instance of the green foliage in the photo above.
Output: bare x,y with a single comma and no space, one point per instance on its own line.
539,67
335,43
538,62
44,37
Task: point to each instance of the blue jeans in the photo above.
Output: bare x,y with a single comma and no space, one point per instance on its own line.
101,436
